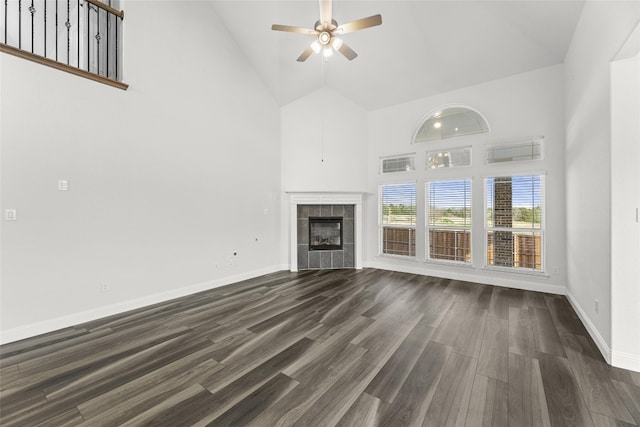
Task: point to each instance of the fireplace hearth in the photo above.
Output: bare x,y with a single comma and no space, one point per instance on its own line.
325,233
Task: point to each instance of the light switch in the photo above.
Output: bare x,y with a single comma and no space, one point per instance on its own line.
10,215
63,185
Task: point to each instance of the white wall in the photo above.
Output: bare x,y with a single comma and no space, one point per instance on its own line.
601,31
625,201
324,143
167,179
517,107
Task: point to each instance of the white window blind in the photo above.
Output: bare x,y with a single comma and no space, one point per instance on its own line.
397,207
449,220
403,163
515,221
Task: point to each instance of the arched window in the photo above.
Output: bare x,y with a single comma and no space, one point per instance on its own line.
448,122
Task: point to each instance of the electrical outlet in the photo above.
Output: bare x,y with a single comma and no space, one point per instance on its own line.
597,305
10,215
63,185
104,287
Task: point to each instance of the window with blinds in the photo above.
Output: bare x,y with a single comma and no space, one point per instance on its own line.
402,163
397,208
515,221
449,220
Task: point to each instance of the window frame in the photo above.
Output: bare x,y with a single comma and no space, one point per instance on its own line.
542,230
381,224
536,144
428,227
437,113
429,169
381,160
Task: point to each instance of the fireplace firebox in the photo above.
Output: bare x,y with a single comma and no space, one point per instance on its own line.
325,233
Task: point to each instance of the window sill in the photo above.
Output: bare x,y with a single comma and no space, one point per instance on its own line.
445,263
513,270
399,257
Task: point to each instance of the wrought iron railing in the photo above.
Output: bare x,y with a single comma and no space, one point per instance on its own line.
83,37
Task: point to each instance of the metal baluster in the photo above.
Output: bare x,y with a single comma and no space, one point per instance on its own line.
78,38
108,17
19,24
116,48
32,10
68,25
45,28
98,37
56,30
88,31
5,21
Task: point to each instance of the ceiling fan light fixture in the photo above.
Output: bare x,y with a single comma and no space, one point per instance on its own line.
325,29
324,38
316,46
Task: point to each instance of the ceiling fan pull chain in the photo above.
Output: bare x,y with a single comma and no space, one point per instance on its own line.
322,71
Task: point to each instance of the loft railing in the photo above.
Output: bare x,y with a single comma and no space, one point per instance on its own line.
82,37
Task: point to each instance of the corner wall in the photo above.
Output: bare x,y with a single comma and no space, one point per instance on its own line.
324,146
601,31
625,204
167,180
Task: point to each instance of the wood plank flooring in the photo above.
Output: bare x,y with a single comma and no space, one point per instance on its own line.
324,348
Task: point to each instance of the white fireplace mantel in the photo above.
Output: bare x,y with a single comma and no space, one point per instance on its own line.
324,198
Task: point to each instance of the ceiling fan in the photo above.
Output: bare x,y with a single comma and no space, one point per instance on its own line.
327,31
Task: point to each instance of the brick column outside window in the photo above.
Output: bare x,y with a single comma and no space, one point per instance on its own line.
503,217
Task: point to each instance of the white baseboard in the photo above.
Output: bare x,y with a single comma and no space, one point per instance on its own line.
520,283
591,328
625,361
51,325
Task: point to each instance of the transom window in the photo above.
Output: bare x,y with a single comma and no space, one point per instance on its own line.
450,122
404,163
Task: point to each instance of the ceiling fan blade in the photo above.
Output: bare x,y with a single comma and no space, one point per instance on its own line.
325,12
290,29
359,24
349,53
306,54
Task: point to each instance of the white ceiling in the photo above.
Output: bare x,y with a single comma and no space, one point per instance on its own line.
422,47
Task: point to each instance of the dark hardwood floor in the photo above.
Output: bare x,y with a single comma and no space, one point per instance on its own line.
324,348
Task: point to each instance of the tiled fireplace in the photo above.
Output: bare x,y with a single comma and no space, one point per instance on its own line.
325,230
311,253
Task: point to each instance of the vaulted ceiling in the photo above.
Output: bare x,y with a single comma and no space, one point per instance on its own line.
422,48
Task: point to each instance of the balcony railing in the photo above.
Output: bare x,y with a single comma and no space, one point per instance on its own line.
82,37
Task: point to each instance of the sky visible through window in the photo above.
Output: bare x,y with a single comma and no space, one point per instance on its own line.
526,192
399,194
